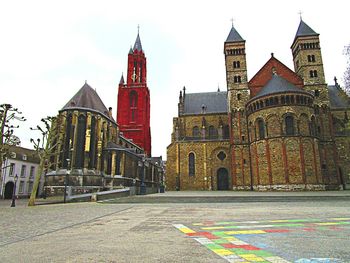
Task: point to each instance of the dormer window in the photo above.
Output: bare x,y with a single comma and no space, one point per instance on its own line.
24,157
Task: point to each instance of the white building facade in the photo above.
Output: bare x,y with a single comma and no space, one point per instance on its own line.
24,163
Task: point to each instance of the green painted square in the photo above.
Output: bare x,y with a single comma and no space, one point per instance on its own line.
220,241
239,251
213,246
261,253
219,233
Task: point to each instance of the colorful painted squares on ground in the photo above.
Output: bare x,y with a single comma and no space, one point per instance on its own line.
223,238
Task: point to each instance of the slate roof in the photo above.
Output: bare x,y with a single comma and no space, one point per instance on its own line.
277,84
137,45
215,102
337,98
87,98
304,30
234,36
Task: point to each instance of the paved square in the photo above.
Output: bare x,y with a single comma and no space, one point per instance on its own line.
250,241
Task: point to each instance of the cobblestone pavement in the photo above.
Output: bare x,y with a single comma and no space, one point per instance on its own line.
101,232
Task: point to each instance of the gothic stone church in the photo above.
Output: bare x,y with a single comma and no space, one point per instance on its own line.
281,130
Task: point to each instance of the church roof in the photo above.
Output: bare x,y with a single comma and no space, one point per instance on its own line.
337,97
234,36
137,45
304,30
86,98
278,84
213,102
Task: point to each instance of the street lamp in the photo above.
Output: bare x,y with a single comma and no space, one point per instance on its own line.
13,204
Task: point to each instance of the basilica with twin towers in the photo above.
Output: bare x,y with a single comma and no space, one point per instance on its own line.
283,129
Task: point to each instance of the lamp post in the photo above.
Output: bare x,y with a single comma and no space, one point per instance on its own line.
13,204
160,174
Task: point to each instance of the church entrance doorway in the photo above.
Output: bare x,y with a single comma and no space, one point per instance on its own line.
222,179
8,190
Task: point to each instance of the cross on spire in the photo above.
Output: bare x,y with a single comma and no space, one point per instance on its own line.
232,20
138,28
300,13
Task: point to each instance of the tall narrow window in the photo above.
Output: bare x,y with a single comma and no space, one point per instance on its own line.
80,146
226,132
289,121
133,105
212,132
261,127
67,141
191,165
92,150
195,131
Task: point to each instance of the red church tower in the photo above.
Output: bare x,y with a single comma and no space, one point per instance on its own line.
133,110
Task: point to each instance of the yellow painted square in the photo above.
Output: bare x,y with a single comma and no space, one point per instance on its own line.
186,230
223,252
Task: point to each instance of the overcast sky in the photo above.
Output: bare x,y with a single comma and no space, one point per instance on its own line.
49,48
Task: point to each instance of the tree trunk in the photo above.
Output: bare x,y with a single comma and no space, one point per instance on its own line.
36,183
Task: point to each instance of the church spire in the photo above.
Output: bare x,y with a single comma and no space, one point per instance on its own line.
122,80
137,45
304,30
234,36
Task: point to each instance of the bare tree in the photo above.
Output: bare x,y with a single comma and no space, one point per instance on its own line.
8,115
347,71
45,149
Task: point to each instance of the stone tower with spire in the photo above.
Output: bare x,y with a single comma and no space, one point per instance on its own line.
238,94
308,65
133,110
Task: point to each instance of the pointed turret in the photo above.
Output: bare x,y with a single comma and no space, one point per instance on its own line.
137,45
305,30
121,82
234,36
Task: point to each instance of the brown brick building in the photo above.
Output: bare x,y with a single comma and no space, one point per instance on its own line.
282,130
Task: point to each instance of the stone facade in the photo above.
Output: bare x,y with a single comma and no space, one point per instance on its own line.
288,130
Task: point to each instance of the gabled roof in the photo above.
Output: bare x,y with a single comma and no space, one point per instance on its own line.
87,98
260,79
337,97
234,36
213,102
137,45
277,84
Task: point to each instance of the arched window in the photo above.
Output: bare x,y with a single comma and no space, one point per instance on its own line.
289,121
195,131
212,131
236,64
261,128
191,165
